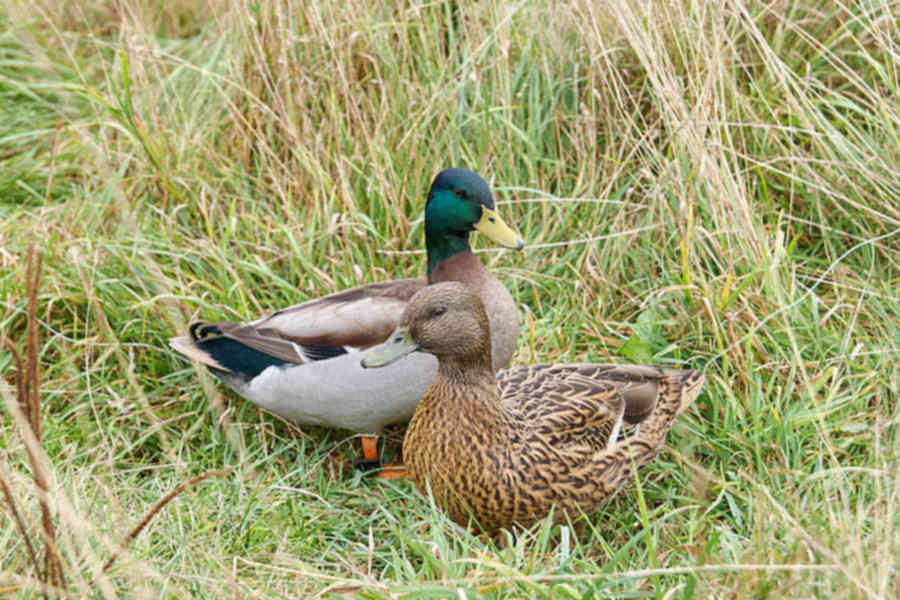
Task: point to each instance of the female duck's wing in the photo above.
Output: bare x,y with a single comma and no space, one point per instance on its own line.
562,406
315,330
642,385
583,403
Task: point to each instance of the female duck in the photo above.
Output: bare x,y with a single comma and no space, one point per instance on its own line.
300,363
547,435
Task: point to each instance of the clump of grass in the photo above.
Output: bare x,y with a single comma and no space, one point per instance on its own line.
49,573
710,184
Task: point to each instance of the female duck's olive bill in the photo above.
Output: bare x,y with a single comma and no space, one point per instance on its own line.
398,345
491,225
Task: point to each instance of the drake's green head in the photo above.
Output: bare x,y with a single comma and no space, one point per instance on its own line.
460,201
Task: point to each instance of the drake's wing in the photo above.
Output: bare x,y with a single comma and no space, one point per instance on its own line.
315,330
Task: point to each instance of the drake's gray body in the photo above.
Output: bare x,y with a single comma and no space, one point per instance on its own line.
309,394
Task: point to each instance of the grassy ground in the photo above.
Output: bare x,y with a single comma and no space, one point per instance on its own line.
713,184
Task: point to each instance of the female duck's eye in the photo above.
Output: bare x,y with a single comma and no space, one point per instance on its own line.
437,311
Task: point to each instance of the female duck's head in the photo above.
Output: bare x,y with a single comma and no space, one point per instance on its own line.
445,319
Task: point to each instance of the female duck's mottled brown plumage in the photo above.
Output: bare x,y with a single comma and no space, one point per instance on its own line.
506,452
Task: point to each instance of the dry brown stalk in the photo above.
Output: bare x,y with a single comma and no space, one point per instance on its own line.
52,565
32,377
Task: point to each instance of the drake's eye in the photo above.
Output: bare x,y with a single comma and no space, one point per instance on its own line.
459,193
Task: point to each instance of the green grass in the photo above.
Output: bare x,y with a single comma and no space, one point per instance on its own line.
709,184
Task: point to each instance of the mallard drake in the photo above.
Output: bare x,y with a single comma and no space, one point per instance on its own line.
301,363
506,452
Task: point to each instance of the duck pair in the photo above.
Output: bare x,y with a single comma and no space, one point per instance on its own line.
501,448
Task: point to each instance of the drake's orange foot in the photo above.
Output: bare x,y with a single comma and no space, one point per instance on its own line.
369,461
